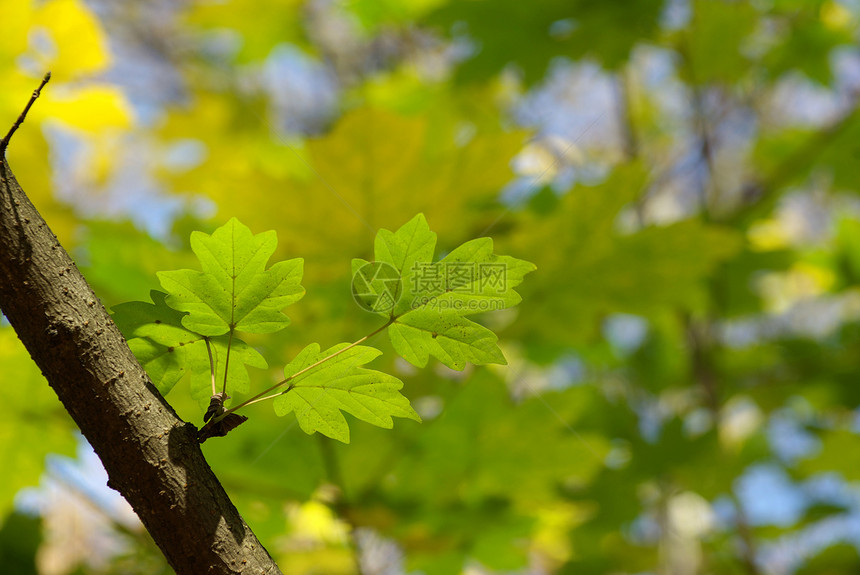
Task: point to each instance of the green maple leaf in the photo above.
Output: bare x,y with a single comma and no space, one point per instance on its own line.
447,336
167,350
234,291
412,243
319,395
432,297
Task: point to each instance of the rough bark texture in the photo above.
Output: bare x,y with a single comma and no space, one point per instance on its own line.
152,457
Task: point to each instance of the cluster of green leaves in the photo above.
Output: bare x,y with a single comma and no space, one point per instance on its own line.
428,318
202,310
191,328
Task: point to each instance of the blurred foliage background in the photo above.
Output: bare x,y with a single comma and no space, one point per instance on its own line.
682,390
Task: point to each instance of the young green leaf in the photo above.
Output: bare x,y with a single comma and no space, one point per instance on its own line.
451,338
339,384
434,296
234,291
412,243
167,350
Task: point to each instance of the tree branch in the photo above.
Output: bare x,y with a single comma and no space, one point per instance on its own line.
151,456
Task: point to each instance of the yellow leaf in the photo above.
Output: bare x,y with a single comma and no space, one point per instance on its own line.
14,26
92,108
80,43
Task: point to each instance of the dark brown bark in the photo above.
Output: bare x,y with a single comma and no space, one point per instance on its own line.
152,457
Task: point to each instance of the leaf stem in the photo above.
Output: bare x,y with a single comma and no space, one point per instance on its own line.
259,397
258,400
227,360
211,364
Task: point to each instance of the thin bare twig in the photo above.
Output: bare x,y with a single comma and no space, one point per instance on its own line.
4,143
